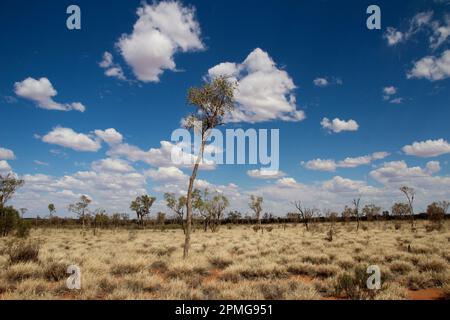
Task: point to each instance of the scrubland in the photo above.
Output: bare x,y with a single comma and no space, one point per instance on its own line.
234,263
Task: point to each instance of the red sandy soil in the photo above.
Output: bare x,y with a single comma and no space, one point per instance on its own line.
426,294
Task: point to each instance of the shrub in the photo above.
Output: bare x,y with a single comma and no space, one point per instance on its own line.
23,229
55,271
220,263
124,269
9,218
353,286
23,252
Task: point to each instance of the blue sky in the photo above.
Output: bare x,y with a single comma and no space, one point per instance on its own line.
392,82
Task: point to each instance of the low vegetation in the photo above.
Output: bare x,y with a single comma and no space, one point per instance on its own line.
231,263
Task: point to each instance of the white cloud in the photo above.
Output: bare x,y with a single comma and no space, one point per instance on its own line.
393,36
337,125
42,92
433,167
429,148
440,33
114,165
389,91
167,174
111,69
321,82
162,30
264,92
349,162
432,68
287,182
6,154
4,166
158,157
397,173
396,101
265,174
321,165
68,138
110,136
339,184
41,163
110,190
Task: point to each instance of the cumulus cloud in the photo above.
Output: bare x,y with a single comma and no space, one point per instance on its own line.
264,91
321,82
111,69
4,166
167,174
397,173
42,92
159,157
110,136
389,91
428,148
337,125
68,138
349,162
162,30
6,154
431,68
418,23
265,174
108,189
393,36
114,165
441,32
321,165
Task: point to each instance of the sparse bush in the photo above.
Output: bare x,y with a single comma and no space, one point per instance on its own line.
23,252
124,269
23,229
220,263
9,218
55,271
272,291
353,286
159,266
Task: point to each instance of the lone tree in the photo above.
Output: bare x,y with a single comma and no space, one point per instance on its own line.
8,186
81,209
356,211
216,208
256,205
212,101
306,214
177,206
400,209
371,211
141,205
8,215
51,209
409,194
436,212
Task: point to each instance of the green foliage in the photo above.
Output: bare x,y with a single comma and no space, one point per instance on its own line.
8,186
353,286
9,219
141,205
23,228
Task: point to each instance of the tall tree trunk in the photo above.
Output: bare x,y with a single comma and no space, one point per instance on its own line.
187,239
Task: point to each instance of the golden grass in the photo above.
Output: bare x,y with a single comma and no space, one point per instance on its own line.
234,263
